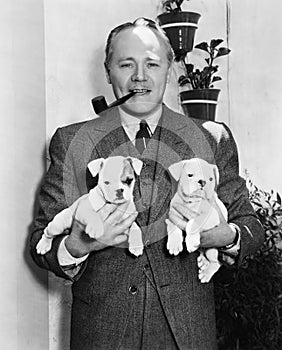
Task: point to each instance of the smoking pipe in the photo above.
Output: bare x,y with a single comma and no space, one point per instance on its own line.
99,103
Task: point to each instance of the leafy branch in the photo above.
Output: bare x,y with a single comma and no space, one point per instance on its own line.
172,5
204,79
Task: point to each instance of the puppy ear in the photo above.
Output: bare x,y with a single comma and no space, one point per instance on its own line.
216,175
95,166
176,169
136,164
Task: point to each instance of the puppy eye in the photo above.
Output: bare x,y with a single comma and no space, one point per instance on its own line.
106,182
210,178
190,175
127,182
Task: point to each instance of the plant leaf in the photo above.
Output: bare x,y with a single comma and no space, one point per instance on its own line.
182,80
203,46
189,67
222,51
215,42
216,78
278,199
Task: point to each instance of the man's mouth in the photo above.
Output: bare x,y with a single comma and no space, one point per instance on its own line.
140,91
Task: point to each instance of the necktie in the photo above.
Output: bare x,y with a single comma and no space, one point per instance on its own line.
143,136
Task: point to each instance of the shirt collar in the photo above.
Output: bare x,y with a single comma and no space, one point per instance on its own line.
132,123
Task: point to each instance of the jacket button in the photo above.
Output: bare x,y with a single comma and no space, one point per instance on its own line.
133,290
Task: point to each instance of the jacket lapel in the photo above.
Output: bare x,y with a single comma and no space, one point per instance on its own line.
108,136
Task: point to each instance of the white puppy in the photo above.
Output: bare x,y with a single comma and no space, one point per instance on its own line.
196,189
115,185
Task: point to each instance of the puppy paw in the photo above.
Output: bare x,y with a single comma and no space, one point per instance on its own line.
92,231
206,274
192,242
135,243
44,245
94,228
137,251
174,243
207,268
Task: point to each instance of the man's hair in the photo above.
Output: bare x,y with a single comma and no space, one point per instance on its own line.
139,22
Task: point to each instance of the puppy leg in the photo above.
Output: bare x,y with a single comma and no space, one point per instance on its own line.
135,240
192,239
208,264
61,222
174,238
87,216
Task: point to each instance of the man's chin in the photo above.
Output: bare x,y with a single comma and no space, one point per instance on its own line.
140,109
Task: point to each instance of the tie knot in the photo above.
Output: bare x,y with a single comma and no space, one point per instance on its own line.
142,136
143,124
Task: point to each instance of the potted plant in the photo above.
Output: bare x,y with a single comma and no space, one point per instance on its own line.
180,26
249,298
201,100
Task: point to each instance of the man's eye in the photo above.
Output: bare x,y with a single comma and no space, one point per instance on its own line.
106,182
126,65
152,64
127,182
190,175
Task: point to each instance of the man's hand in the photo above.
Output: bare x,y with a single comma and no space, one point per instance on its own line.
218,236
78,243
179,214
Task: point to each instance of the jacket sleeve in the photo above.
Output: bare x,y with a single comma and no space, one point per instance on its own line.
234,194
57,189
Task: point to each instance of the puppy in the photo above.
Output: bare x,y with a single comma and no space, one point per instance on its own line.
197,180
115,185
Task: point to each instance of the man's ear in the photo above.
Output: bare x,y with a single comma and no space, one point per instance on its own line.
107,71
136,164
95,166
176,169
169,72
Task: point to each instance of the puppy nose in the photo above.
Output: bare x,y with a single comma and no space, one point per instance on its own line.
120,191
202,182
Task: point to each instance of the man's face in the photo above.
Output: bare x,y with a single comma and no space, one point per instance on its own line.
139,63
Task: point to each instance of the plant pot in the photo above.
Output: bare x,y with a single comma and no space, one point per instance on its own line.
200,104
180,28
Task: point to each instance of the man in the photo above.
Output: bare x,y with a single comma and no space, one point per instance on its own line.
154,301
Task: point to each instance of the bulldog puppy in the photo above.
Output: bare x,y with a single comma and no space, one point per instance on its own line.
197,180
115,185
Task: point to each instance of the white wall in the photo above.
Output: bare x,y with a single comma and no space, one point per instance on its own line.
256,88
24,298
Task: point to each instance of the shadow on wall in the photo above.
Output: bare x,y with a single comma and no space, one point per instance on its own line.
39,274
59,290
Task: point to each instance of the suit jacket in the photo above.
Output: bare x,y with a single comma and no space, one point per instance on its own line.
101,298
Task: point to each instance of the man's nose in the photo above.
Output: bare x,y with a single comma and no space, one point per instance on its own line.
139,73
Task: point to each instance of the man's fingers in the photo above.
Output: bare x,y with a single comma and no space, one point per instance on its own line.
177,219
125,224
106,211
185,211
117,214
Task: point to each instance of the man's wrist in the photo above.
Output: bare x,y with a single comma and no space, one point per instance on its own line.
74,248
234,247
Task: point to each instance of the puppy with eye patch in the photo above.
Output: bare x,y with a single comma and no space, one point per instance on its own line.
115,185
197,181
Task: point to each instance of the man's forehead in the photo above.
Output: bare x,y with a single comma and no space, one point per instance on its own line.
144,36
